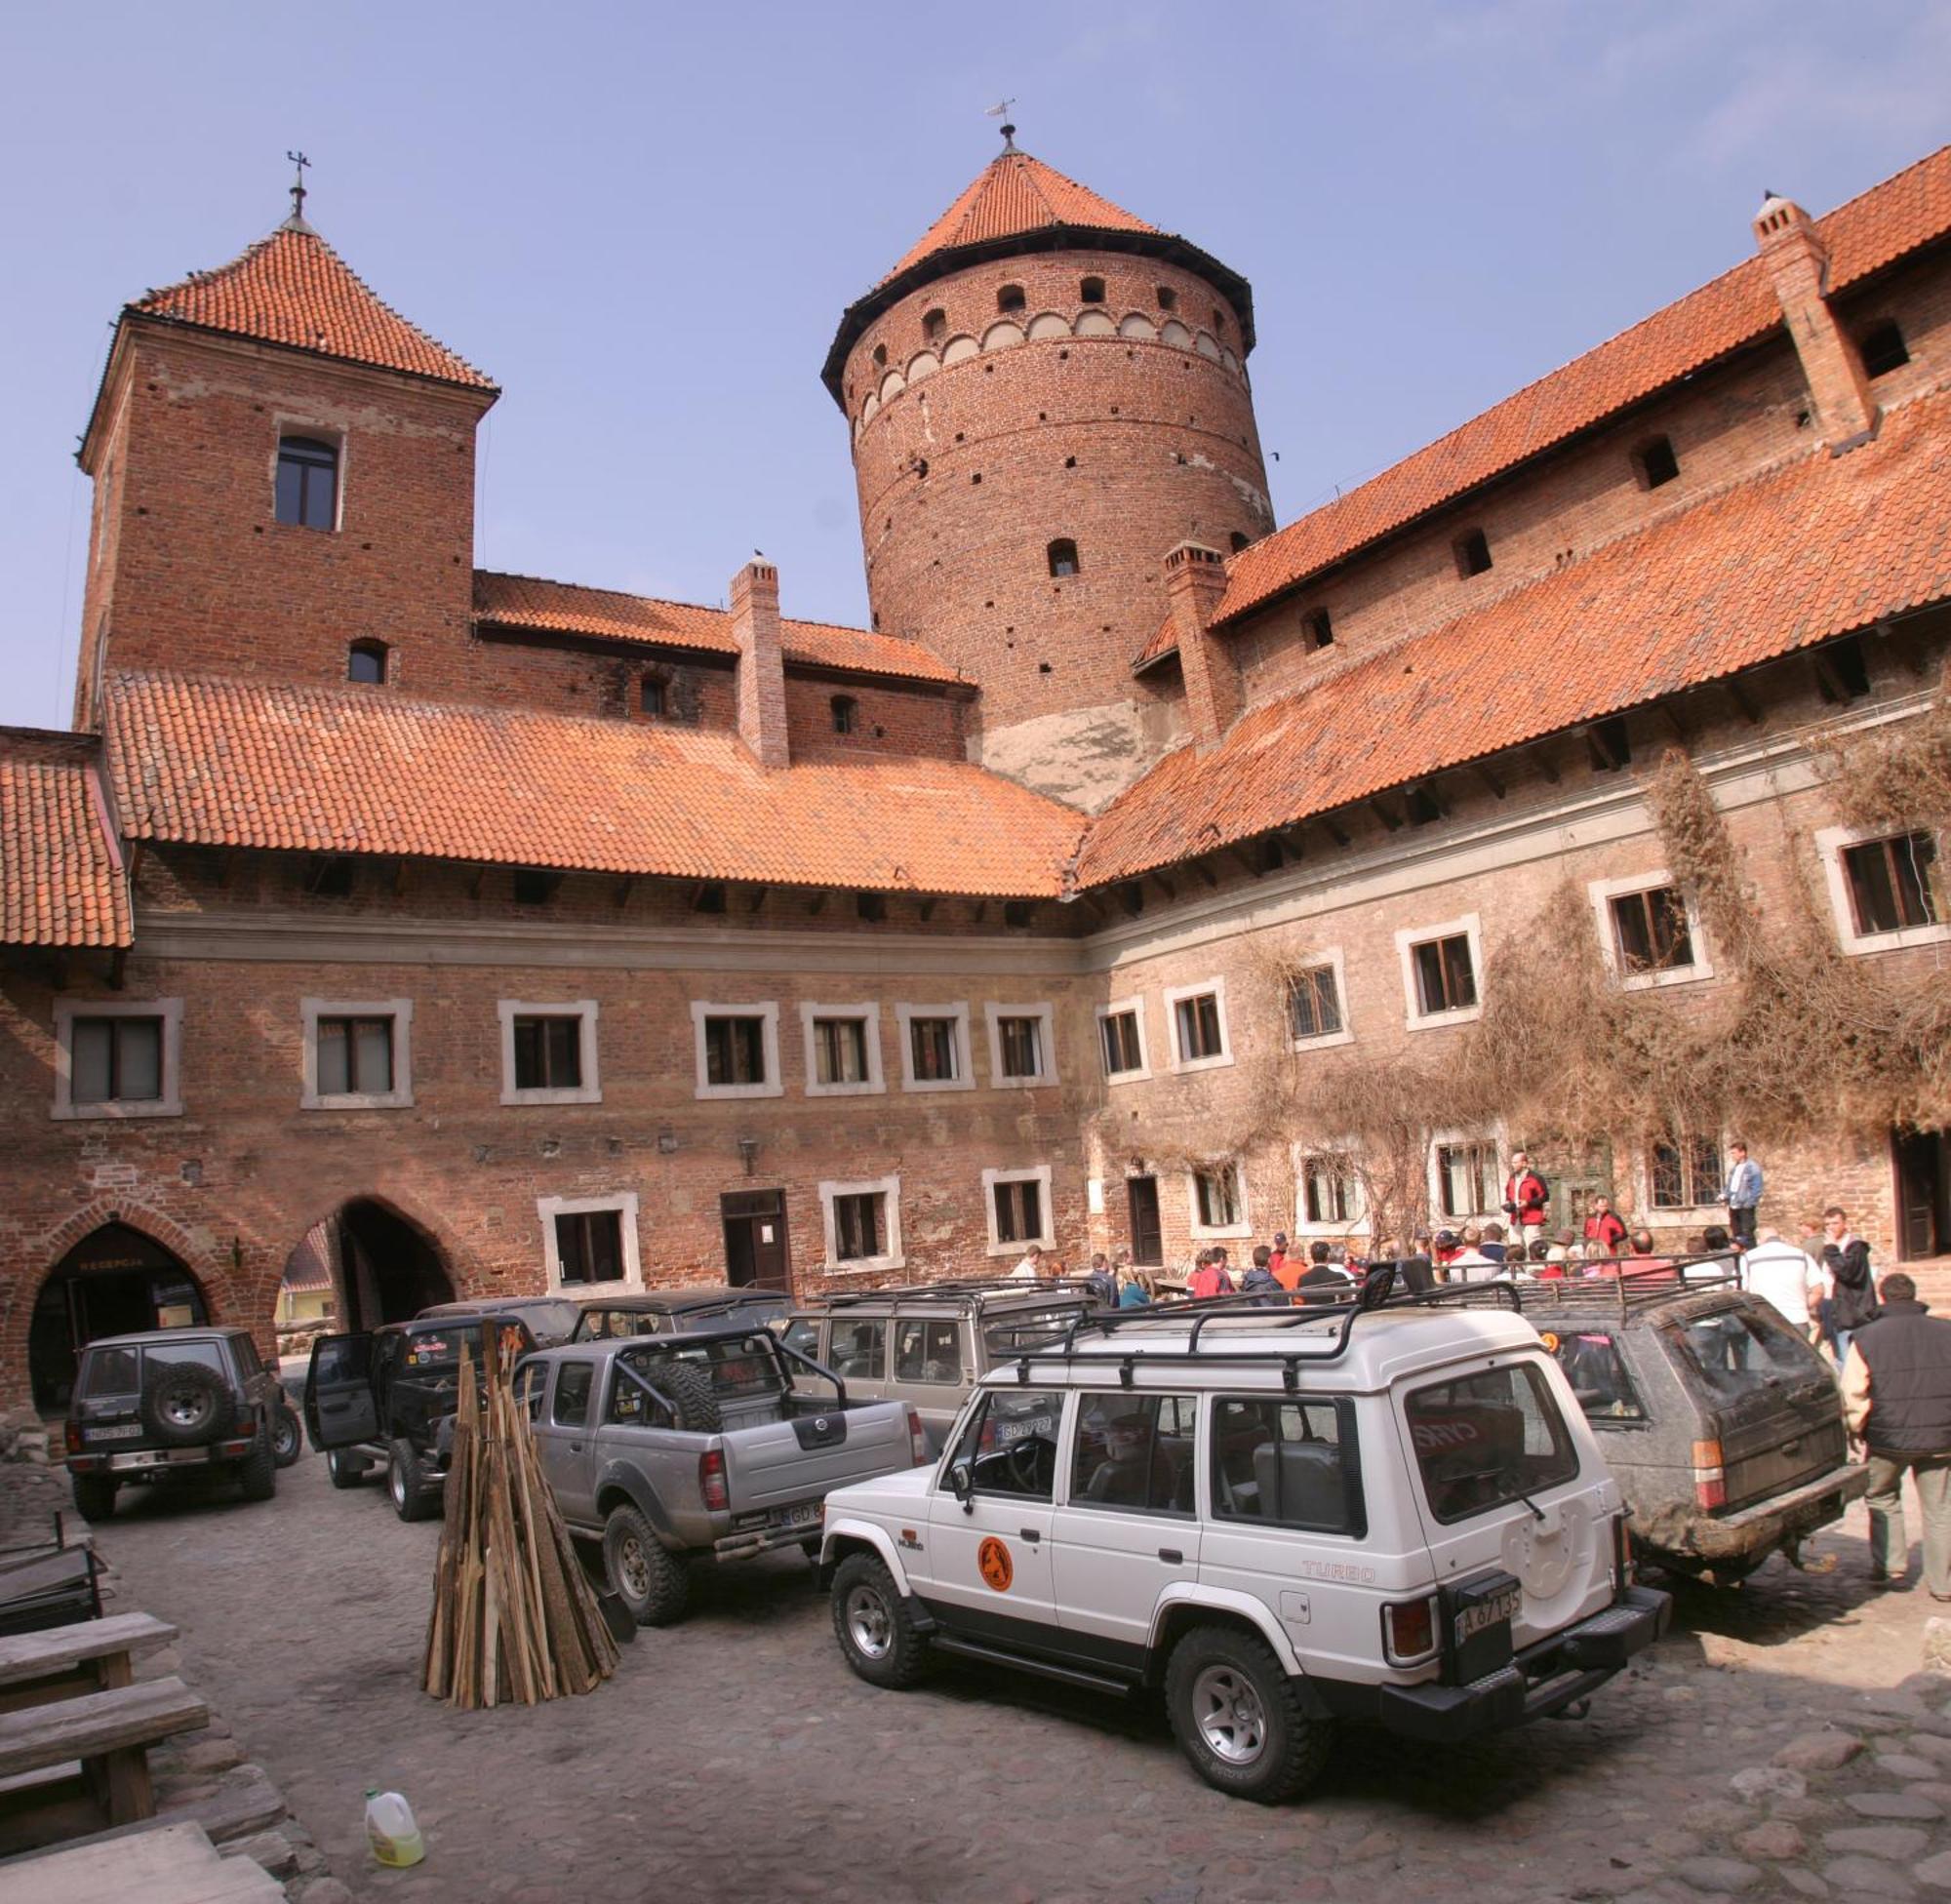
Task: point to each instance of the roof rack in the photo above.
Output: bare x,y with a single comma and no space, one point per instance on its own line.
956,1289
1617,1289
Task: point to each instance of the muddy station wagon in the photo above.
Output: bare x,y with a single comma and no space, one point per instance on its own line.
1288,1520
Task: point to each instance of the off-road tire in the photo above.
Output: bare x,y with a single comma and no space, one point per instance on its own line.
345,1472
406,1485
186,1404
257,1472
875,1629
691,1394
652,1582
93,1495
1292,1747
287,1437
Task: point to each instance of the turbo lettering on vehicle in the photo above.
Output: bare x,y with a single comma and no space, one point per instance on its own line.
993,1563
1334,1571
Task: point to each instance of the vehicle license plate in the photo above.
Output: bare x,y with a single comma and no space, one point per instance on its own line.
130,1433
1472,1621
803,1516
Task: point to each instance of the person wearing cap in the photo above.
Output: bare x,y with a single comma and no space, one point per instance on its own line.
1277,1256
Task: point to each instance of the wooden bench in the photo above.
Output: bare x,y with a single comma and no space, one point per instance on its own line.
68,1695
171,1864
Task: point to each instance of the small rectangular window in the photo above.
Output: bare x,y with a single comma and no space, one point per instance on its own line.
1609,743
860,1223
1891,883
1292,1464
1217,1191
1313,1002
734,1051
115,1060
307,486
535,886
355,1058
1198,1024
548,1053
1134,1451
1650,931
1020,1041
1466,1178
1320,629
928,1352
1657,462
589,1245
840,1050
1445,979
1473,553
1884,350
1842,671
1123,1050
1019,1211
1328,1189
572,1394
931,1050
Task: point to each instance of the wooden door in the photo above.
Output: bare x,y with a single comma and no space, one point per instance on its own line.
755,1239
1922,1193
1147,1239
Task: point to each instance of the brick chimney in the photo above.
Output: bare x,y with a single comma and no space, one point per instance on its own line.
1195,578
1798,261
762,674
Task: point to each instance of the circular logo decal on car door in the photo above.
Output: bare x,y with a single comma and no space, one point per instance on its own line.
993,1563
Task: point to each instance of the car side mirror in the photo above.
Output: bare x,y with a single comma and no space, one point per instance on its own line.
962,1485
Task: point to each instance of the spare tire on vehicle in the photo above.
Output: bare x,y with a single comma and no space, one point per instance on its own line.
186,1404
690,1395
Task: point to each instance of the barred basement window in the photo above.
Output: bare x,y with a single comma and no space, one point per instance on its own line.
1018,1210
1650,931
589,1245
859,1221
308,487
1892,884
1010,298
1313,1004
846,713
1062,556
1684,1175
1882,349
548,1053
1473,553
734,1051
366,662
1654,462
116,1060
355,1058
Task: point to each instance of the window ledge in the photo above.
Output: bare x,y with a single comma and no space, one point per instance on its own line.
1140,1075
118,1108
359,1100
939,1083
1855,944
1225,1232
1653,982
1218,1061
864,1266
738,1090
554,1094
1467,1014
1023,1084
867,1088
1321,1042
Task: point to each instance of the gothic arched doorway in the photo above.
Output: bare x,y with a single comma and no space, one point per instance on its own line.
114,1282
386,1268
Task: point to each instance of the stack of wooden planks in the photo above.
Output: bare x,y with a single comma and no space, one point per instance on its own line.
514,1619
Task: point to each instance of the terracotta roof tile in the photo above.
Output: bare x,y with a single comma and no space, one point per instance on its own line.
1811,549
61,871
567,607
295,768
1736,308
294,289
1015,193
1164,642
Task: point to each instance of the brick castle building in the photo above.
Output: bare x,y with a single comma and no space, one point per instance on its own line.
435,929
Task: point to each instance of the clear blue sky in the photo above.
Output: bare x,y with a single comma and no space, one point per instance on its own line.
644,220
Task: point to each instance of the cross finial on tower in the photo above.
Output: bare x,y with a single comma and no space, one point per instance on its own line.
1001,111
297,187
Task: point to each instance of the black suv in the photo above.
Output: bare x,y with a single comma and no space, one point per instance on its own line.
169,1405
387,1397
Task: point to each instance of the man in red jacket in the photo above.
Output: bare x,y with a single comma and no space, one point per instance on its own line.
1605,1227
1527,1198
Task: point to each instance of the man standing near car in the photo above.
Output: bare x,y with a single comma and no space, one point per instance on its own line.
1789,1280
1897,1399
1743,1194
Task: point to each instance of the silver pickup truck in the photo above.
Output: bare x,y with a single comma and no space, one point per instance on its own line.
722,1444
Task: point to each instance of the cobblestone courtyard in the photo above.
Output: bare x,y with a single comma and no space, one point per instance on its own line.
736,1756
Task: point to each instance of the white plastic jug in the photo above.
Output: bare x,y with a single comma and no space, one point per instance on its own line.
389,1824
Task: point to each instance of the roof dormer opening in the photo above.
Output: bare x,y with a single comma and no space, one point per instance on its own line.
1319,628
1654,462
1882,349
1472,551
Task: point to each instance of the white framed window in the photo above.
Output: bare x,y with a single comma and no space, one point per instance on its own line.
935,1046
357,1054
1887,890
1197,1017
1649,932
843,1049
1464,1180
1326,1193
736,1049
549,1052
1022,1044
590,1241
1121,1041
1216,1200
120,1057
1317,1002
861,1224
1441,967
1689,1175
1018,1204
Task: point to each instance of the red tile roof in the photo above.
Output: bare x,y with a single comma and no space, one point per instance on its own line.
230,763
294,289
1015,193
566,608
61,878
1811,549
1869,232
1164,642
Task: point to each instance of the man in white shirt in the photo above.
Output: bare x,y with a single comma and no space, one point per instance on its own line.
1031,1266
1787,1276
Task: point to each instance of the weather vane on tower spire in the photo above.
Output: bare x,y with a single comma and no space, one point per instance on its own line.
297,187
1001,111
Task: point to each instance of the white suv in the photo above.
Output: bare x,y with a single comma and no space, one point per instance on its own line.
1389,1515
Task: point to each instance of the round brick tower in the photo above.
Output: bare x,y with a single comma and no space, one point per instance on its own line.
1047,395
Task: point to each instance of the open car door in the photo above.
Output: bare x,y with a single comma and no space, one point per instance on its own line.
340,1408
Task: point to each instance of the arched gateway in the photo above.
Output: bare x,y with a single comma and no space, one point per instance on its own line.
114,1280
